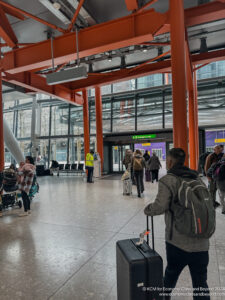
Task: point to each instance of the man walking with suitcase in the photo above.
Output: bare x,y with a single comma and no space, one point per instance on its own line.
190,222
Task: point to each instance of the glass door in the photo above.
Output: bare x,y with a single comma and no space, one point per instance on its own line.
118,156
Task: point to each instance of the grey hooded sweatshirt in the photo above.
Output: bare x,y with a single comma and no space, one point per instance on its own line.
167,192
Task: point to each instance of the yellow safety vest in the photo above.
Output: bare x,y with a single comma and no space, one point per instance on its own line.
89,160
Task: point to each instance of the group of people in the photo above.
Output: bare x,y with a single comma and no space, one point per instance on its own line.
25,176
136,163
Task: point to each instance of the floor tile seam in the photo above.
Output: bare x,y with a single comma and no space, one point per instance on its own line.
90,258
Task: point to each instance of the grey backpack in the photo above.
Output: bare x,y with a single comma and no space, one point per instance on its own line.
192,211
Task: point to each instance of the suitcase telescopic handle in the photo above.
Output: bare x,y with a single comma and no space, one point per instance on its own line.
153,238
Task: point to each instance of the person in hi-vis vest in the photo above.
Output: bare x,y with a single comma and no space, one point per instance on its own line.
90,165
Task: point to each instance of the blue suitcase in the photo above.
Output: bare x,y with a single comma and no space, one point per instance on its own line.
139,270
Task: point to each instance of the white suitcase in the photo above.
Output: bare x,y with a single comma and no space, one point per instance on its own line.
127,187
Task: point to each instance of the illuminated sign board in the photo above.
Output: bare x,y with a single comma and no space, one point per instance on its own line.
219,140
144,136
146,144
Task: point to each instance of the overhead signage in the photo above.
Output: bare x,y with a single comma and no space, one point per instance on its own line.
146,144
144,136
219,140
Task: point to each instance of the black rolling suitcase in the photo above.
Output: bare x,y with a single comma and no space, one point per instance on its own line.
139,269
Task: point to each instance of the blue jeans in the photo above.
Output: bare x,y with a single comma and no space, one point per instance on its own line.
177,260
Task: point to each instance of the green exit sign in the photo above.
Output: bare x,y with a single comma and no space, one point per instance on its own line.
143,136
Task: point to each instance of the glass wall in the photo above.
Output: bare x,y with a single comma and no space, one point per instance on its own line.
106,117
76,150
59,124
45,115
215,69
76,120
124,116
124,86
149,81
58,150
149,113
24,123
127,106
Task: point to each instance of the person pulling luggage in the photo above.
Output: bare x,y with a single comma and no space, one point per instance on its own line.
138,164
217,173
211,160
89,164
184,199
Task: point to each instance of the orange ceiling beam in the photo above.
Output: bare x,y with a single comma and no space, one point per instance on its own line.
6,31
70,27
131,5
115,34
153,68
197,15
11,12
205,13
38,84
123,32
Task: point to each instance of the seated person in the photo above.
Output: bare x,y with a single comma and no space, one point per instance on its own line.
54,167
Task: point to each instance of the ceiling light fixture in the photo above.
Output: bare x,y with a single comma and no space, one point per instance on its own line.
110,56
57,5
144,49
77,73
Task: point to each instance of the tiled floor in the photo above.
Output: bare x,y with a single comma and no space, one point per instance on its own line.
65,249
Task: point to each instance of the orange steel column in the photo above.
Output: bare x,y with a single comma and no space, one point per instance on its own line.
99,129
192,130
2,156
195,83
86,123
180,133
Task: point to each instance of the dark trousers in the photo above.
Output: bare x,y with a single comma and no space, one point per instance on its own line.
139,181
26,201
147,175
90,174
213,189
197,262
155,175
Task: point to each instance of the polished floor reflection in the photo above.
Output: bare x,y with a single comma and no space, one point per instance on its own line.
65,249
